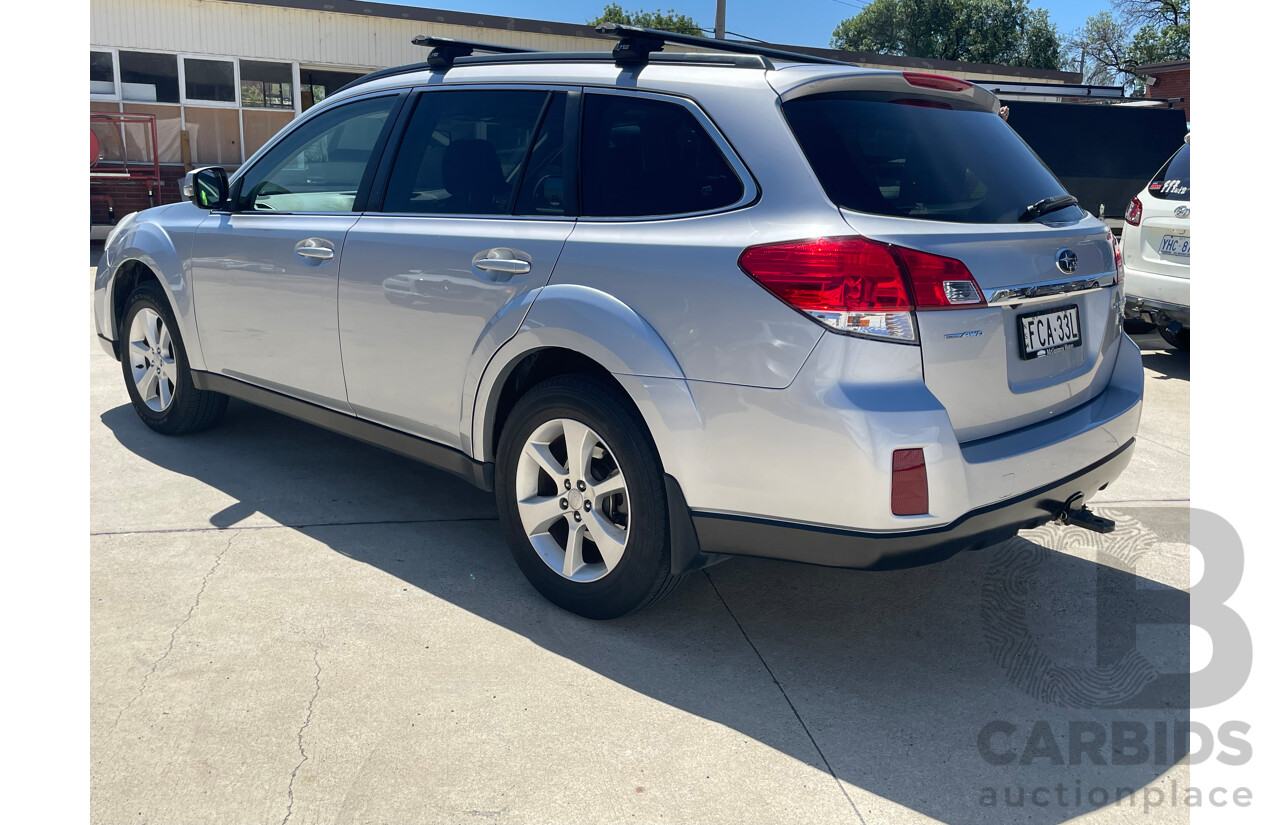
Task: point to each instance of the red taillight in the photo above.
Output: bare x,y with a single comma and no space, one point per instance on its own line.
936,81
910,487
859,286
938,282
1133,215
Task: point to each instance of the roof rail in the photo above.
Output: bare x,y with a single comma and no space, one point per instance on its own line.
636,43
444,50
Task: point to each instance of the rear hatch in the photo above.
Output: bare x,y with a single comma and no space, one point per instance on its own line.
933,168
1164,236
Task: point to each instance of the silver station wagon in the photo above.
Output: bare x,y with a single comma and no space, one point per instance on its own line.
669,307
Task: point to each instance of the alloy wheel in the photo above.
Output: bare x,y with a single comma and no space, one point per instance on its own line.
572,500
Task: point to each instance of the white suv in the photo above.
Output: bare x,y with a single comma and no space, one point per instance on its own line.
1156,245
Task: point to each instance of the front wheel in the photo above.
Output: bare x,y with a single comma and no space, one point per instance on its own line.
156,372
581,499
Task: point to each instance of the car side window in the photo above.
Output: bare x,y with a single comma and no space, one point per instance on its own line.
643,158
464,152
320,166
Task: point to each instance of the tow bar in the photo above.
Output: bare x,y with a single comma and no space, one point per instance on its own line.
1080,515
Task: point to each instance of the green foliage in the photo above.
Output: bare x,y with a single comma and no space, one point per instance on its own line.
668,21
1005,32
1108,49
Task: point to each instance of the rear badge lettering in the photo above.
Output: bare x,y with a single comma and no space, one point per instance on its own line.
972,333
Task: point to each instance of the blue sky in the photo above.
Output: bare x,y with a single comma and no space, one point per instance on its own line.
797,22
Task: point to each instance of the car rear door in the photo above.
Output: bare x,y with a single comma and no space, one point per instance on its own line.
472,216
265,275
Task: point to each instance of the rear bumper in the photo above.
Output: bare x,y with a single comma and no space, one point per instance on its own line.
1159,313
736,535
1149,295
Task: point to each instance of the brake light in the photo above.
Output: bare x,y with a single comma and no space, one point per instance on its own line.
1133,215
861,287
909,490
936,81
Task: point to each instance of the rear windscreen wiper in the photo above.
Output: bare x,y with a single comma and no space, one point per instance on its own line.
1044,207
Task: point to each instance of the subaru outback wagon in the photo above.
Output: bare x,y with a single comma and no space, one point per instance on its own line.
669,307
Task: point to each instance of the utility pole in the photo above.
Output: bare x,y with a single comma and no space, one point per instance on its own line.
720,19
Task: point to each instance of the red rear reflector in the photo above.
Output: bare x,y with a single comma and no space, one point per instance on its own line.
910,490
1133,215
936,81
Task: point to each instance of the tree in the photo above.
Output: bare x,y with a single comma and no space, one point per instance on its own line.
1111,47
669,21
1006,32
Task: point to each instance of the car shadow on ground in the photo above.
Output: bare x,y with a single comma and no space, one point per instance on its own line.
1161,358
975,690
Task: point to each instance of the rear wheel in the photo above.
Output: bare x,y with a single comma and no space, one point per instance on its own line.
581,499
156,372
1180,339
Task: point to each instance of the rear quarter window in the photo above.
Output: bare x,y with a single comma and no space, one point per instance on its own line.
921,158
1173,181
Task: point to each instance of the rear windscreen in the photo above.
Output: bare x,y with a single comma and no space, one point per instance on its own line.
919,158
1173,182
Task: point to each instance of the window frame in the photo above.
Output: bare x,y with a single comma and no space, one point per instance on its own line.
750,187
378,156
201,103
113,96
291,65
572,124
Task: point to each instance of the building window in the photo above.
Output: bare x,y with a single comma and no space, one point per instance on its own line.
149,77
102,74
317,84
266,85
213,80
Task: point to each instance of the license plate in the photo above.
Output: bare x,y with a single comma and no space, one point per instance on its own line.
1179,245
1045,333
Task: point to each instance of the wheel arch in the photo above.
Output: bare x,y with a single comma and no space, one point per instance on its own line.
569,328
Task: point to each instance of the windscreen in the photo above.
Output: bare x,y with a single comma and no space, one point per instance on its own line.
921,158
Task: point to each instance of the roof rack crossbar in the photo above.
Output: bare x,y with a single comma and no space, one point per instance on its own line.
637,43
444,50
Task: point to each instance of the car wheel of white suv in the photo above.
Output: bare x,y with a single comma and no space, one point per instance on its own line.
580,497
156,372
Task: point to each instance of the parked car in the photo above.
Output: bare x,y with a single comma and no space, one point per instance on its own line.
1156,249
671,310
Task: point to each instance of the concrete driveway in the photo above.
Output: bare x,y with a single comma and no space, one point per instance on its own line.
287,626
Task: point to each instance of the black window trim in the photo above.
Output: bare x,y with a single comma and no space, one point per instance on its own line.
395,116
573,108
750,187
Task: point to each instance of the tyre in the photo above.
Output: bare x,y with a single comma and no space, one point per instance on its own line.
1137,326
1180,340
581,498
156,371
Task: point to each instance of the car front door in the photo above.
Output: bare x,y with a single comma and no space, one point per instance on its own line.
474,216
265,274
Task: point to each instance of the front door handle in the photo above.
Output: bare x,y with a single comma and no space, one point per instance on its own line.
315,248
503,260
503,265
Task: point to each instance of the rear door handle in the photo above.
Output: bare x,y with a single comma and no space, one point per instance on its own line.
315,248
500,259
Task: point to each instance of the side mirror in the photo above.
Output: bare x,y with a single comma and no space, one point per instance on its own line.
207,188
